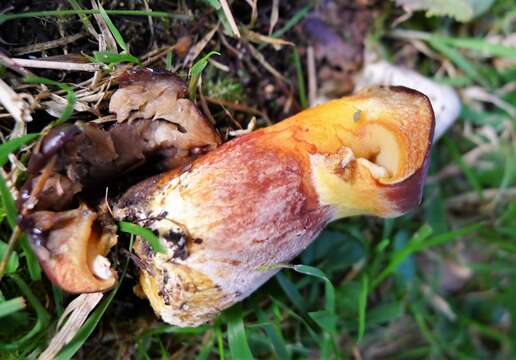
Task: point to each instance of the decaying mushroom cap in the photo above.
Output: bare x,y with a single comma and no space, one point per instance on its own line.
150,94
71,247
154,122
260,199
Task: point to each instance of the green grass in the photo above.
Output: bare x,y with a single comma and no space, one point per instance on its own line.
8,307
114,30
70,95
196,71
60,13
303,101
144,233
362,284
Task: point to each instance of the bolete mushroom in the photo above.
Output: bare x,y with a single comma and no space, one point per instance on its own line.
257,201
155,123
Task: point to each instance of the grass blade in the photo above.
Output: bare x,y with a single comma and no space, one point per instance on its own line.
296,18
114,31
13,145
362,305
299,318
42,316
454,55
300,80
11,306
8,202
475,44
70,95
168,60
84,19
205,351
329,290
144,233
201,64
220,339
293,20
399,256
291,291
13,262
91,323
10,208
125,12
418,243
325,319
58,296
109,58
443,238
196,71
274,334
237,338
466,169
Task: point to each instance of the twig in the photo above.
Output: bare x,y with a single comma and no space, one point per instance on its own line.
254,12
180,47
438,303
274,16
10,64
156,54
150,20
472,198
199,46
106,38
204,106
219,66
470,158
48,44
15,105
250,127
312,76
261,59
75,315
262,39
478,93
56,65
140,264
229,16
235,106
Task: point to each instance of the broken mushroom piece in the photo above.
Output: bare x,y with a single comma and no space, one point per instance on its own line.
259,200
71,248
156,124
180,126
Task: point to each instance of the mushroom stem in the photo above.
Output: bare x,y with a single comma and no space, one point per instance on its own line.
260,199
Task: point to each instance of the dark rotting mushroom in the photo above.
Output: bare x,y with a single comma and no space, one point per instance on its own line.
155,122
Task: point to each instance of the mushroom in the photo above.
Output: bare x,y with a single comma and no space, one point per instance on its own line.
228,220
71,248
155,124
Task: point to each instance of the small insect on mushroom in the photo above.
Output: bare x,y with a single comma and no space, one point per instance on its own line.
260,199
356,115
